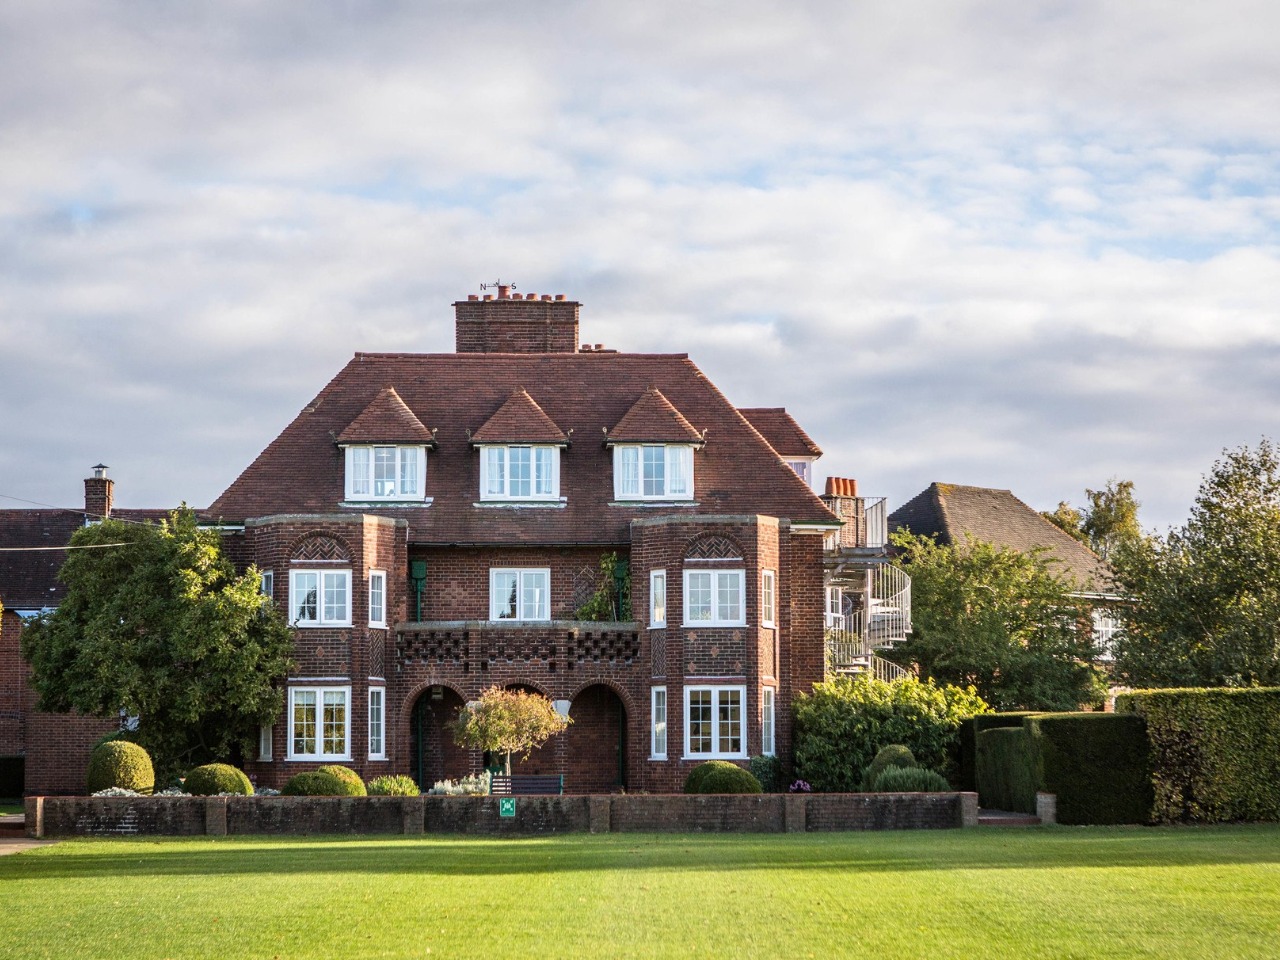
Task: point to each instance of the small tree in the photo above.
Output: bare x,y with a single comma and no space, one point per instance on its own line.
507,722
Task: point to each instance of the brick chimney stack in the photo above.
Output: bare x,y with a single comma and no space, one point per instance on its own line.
516,323
98,493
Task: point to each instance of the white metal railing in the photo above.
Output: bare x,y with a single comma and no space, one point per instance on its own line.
849,653
866,522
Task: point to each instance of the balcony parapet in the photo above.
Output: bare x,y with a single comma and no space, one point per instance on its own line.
470,645
866,523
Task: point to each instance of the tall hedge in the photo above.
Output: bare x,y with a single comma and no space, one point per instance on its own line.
844,722
1097,764
966,742
1006,769
1215,754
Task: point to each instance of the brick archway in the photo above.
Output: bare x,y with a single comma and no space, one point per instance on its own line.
596,742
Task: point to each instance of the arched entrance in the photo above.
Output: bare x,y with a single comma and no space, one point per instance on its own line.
433,755
596,742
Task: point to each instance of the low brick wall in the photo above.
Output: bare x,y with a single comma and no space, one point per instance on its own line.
482,816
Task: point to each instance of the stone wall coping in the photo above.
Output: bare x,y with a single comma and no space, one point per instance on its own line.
580,625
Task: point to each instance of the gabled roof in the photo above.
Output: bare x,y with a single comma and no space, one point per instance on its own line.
949,512
583,394
520,420
28,567
386,420
781,430
653,419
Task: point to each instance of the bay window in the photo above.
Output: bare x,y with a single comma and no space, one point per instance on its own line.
320,598
714,727
319,723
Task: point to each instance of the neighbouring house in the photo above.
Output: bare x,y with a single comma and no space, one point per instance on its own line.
950,512
54,747
434,524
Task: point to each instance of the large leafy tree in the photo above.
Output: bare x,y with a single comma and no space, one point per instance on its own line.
1109,522
1206,608
999,620
507,722
156,623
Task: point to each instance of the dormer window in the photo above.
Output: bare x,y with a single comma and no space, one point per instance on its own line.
653,471
519,472
803,468
386,473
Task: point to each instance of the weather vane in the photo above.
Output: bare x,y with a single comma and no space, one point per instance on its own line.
496,284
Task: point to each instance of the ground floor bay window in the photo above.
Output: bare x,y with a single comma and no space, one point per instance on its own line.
714,726
320,723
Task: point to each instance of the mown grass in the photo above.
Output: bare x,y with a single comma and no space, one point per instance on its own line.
1052,893
10,805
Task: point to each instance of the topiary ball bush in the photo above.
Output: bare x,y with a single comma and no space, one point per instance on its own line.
120,763
349,777
892,755
316,783
910,780
721,776
214,778
397,786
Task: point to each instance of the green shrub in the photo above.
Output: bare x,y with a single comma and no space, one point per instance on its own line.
1006,769
768,770
316,783
966,742
355,786
397,786
472,785
215,778
720,776
1098,765
119,763
892,755
910,780
1215,754
844,722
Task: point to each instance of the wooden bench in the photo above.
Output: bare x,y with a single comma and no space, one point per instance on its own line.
526,785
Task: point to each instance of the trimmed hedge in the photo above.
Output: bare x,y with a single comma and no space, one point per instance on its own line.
398,785
1006,769
355,785
910,780
720,776
215,778
1098,765
316,783
966,742
892,755
119,763
1215,754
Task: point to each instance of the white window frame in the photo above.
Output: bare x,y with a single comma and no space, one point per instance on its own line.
522,612
323,577
1107,626
361,473
629,478
378,727
717,617
267,583
658,723
320,695
802,467
378,614
657,598
768,702
266,741
768,598
495,472
717,695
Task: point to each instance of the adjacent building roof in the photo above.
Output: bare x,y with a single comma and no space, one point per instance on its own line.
653,419
520,420
386,420
950,512
612,396
781,430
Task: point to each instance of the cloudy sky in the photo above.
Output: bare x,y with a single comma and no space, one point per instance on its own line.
1013,244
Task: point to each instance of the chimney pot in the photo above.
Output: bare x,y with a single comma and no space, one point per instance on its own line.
504,291
599,346
488,296
546,296
472,296
559,296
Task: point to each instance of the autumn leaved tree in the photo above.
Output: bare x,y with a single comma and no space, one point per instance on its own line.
507,722
157,625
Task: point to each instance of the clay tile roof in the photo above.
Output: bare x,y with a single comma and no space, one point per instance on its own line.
950,512
841,487
387,419
653,419
520,420
781,430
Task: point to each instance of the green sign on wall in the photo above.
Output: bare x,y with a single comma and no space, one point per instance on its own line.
506,806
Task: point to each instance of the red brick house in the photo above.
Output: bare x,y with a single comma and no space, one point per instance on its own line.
431,524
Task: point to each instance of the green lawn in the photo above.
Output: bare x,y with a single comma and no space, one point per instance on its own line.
1053,893
10,805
